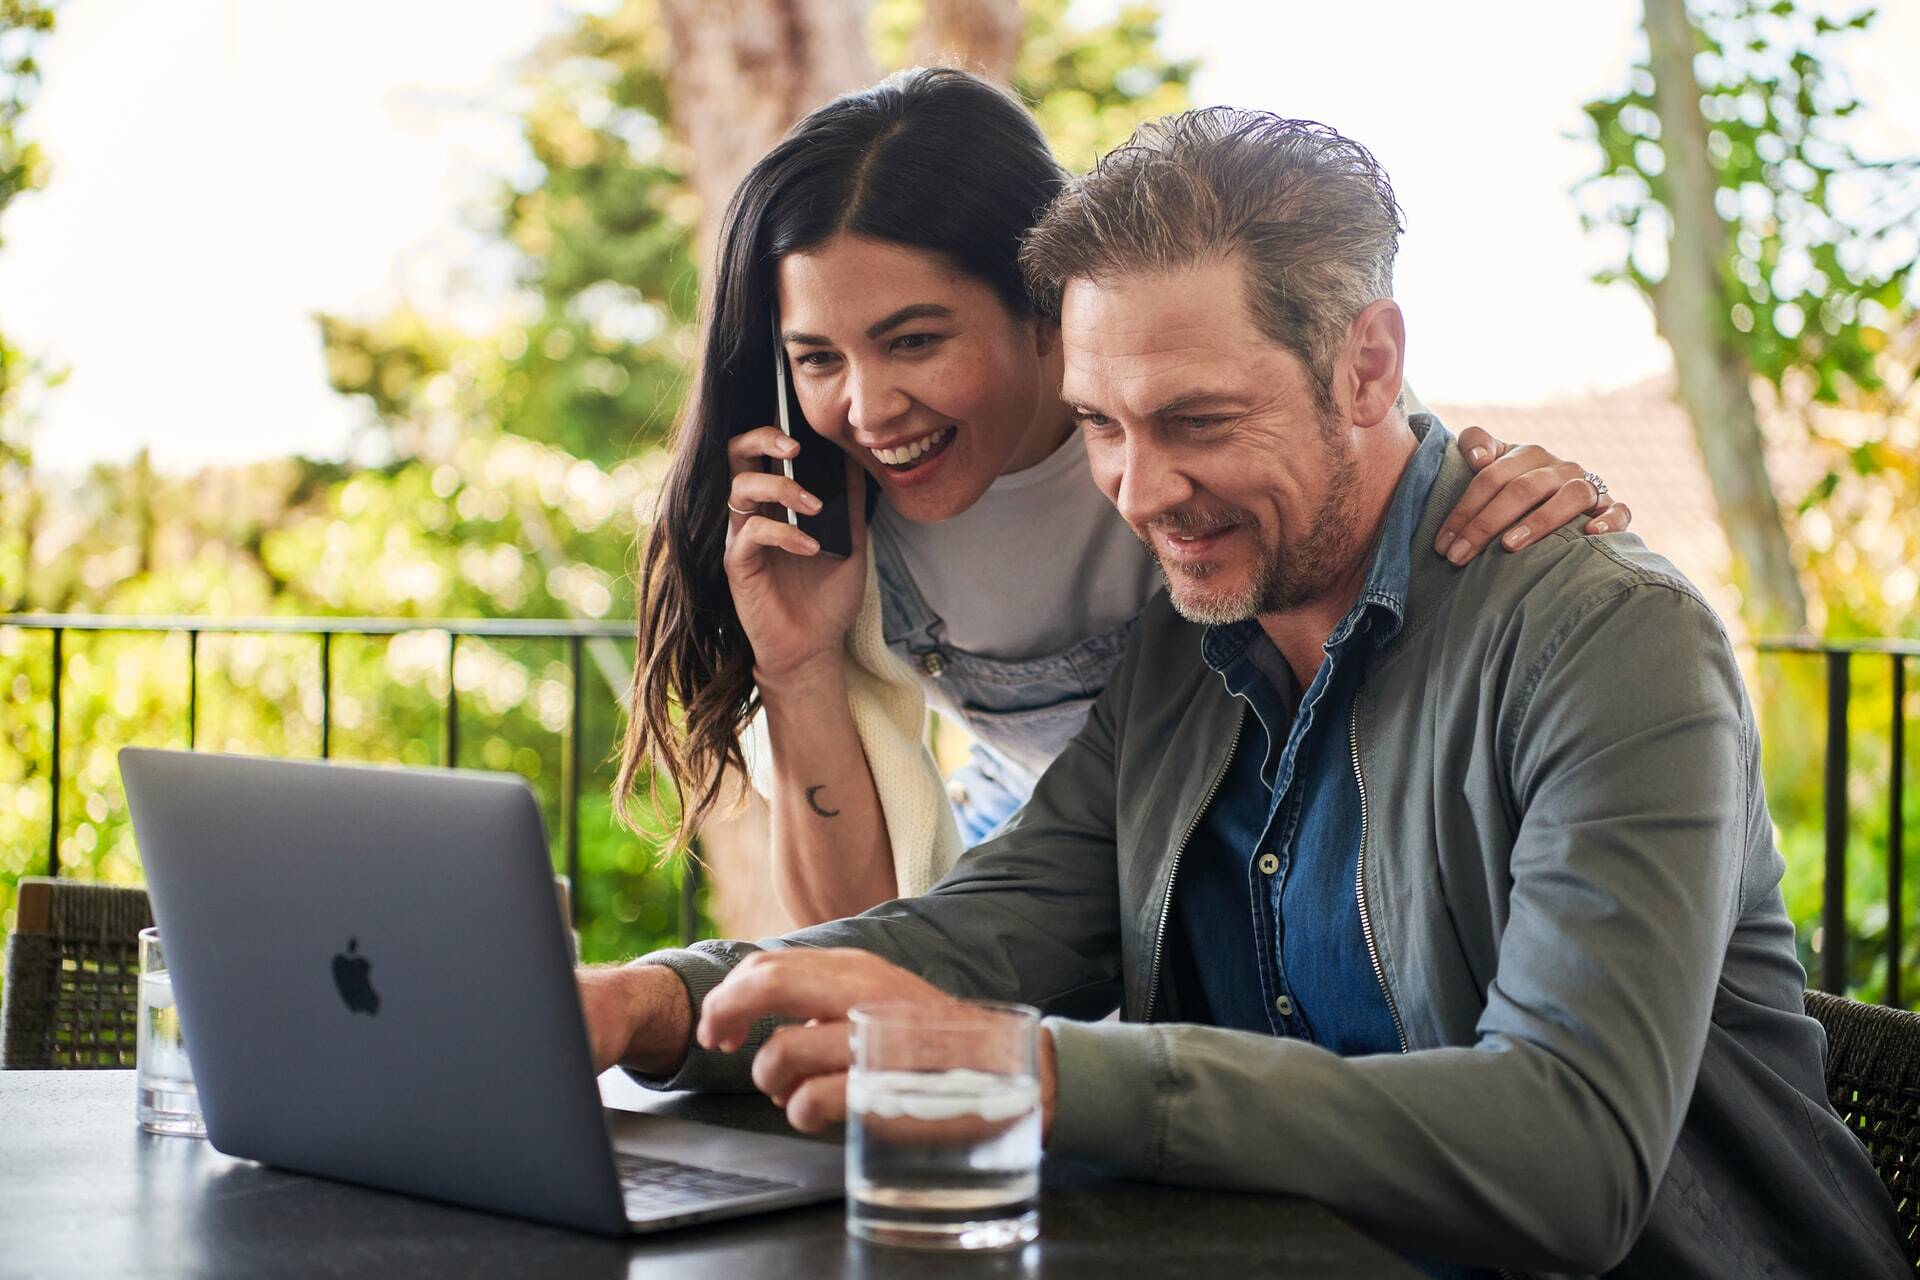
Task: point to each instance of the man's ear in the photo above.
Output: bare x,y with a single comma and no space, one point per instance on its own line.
1370,368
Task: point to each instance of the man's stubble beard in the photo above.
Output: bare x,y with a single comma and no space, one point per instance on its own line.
1284,578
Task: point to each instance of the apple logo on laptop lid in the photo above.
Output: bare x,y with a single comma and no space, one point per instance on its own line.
352,973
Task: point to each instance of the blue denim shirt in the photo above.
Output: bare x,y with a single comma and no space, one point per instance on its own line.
1267,900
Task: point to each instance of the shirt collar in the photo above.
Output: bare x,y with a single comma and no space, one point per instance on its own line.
1384,591
1392,565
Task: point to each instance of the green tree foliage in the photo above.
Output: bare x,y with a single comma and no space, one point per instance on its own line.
1819,256
602,226
1090,84
605,240
1817,273
299,539
1817,285
24,27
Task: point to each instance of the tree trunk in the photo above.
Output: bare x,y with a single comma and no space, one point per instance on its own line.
740,72
1690,308
983,36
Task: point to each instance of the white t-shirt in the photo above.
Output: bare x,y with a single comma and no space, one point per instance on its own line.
1041,562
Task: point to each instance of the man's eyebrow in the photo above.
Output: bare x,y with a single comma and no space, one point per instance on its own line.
1196,400
1178,405
916,311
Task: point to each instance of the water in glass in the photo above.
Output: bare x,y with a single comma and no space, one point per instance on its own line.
168,1102
943,1156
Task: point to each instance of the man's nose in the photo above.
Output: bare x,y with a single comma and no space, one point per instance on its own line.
873,402
1152,482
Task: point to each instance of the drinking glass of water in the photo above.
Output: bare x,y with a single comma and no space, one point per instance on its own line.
168,1101
943,1125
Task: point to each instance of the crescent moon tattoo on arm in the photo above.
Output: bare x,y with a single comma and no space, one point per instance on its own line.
815,804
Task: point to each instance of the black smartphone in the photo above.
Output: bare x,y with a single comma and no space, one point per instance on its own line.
819,466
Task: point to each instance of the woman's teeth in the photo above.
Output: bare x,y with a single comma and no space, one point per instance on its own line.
914,450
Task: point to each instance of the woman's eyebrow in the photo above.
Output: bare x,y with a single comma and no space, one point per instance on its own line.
916,311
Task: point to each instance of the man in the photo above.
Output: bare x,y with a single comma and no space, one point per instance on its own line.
1444,896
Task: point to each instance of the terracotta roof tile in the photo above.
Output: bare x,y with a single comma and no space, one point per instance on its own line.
1640,441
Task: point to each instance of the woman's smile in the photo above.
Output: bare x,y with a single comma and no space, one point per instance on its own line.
914,461
906,453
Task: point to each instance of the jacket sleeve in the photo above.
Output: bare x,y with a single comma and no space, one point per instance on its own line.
1629,748
1030,916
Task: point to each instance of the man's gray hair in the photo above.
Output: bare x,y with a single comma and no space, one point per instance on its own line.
1310,212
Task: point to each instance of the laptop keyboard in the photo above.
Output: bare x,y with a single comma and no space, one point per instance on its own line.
648,1184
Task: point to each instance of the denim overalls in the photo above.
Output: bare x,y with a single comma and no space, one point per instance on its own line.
1021,714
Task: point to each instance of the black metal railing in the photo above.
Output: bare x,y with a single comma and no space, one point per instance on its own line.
1839,659
323,630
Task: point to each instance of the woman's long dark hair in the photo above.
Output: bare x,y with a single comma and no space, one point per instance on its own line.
932,159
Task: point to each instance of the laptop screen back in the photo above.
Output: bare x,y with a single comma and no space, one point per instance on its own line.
372,979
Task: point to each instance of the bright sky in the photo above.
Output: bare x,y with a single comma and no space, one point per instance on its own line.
223,169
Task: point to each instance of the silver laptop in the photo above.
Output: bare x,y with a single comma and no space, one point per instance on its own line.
375,986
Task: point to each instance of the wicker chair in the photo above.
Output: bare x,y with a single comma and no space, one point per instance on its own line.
73,971
1873,1080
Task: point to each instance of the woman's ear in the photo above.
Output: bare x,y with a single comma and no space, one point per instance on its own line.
1046,336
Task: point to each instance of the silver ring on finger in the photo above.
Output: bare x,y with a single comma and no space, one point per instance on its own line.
750,511
1599,485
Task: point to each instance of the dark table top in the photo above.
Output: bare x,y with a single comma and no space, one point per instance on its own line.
84,1193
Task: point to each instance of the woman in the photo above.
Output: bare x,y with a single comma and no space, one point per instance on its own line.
883,233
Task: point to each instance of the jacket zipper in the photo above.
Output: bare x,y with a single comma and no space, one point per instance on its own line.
1166,901
1366,919
1360,886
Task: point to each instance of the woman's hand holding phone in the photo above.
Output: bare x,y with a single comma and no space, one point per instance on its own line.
795,604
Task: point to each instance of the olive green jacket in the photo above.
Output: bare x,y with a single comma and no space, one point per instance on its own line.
1569,876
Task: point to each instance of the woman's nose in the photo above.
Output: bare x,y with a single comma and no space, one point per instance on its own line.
873,402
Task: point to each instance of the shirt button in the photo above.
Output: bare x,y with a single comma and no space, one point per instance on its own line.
1285,1006
1269,863
933,664
957,791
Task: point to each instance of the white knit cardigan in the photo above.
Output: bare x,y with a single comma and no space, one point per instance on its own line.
890,715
